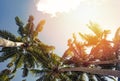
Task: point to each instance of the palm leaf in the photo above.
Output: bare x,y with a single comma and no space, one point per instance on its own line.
100,78
5,75
38,72
35,60
25,71
38,57
117,35
9,64
18,21
91,77
83,36
18,63
95,28
41,79
7,35
64,77
40,26
90,39
8,54
30,60
5,56
20,24
84,77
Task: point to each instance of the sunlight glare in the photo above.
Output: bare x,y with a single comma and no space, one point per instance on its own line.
73,16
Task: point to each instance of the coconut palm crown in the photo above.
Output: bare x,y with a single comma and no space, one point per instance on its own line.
29,53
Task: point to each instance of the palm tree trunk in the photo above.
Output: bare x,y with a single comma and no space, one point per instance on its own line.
8,43
93,71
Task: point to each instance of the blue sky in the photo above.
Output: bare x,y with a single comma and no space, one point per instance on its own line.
23,8
58,29
8,10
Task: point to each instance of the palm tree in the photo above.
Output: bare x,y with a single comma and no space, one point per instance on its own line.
102,51
26,51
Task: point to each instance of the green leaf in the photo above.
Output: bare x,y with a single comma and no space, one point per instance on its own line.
18,21
7,35
10,65
6,55
25,72
19,62
20,25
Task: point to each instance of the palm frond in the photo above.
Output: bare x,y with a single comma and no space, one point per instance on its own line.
91,77
64,77
18,21
5,75
7,52
9,64
29,60
40,26
5,57
25,71
83,36
100,78
39,55
117,35
95,28
7,35
38,72
20,24
18,63
112,78
39,59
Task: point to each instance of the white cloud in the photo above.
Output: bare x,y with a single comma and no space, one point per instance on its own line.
60,6
57,6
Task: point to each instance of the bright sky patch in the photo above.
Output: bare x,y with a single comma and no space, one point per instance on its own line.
57,6
60,6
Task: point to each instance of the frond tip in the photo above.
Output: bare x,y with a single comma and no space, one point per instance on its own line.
7,35
40,26
95,28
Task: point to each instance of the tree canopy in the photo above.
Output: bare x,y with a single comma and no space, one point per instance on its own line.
28,52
